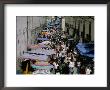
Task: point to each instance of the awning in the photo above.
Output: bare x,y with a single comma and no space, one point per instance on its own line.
42,67
34,57
42,39
46,42
42,63
86,49
42,51
40,45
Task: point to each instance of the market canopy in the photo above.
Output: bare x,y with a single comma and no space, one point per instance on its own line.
86,49
42,51
43,39
45,33
41,63
40,45
46,42
35,57
42,67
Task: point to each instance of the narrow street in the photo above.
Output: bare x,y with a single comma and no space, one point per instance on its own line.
56,51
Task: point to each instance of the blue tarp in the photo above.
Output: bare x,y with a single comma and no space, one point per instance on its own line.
42,39
86,49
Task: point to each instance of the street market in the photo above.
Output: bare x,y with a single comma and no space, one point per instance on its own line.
56,52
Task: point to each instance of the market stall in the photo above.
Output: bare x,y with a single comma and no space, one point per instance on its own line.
86,49
42,51
34,56
37,63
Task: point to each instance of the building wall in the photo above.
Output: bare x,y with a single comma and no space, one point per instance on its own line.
86,28
21,41
83,22
37,26
92,31
25,26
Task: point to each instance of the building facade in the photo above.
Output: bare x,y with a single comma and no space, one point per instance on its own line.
26,29
80,26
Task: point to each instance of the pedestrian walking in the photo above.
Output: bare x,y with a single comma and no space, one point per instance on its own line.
55,66
88,70
71,66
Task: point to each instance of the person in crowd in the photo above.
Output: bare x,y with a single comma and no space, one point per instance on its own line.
66,68
62,68
66,59
71,66
55,66
67,50
88,70
82,70
69,56
23,65
52,71
62,57
75,69
78,67
63,46
60,54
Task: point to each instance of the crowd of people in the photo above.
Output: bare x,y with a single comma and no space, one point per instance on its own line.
65,61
